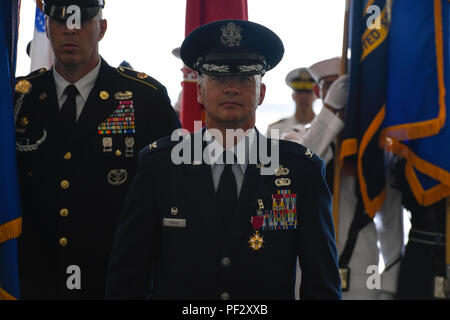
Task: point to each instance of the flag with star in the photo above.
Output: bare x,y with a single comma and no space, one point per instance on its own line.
41,53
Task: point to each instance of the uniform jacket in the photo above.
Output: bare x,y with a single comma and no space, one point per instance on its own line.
73,189
202,260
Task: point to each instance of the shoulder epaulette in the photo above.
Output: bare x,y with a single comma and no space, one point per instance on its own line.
23,85
159,145
299,150
138,76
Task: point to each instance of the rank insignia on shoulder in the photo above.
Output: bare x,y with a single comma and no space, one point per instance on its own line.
137,76
123,95
23,86
308,153
142,75
153,145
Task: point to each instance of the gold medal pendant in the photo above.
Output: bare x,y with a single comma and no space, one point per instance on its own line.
256,241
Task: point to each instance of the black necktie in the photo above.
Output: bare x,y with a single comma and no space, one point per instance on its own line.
227,194
68,110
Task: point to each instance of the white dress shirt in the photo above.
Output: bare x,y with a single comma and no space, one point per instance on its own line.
238,168
84,86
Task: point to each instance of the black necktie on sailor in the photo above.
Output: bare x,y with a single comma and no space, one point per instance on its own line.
227,194
68,110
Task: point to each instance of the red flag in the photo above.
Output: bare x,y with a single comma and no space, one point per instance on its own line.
199,12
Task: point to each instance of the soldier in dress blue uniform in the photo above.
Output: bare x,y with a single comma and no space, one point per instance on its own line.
226,229
79,128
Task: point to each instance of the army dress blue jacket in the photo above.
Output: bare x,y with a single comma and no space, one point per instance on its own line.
72,190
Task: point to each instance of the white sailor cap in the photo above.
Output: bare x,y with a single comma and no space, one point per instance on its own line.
325,68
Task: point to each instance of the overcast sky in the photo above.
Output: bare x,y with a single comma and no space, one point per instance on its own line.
144,32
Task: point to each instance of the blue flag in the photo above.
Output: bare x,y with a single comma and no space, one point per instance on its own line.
10,217
365,113
399,96
417,121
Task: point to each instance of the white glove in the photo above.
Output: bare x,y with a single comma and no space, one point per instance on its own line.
295,134
338,93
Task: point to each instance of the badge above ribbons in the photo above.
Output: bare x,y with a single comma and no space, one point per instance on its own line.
121,120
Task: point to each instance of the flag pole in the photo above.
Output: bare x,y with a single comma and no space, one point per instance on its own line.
337,164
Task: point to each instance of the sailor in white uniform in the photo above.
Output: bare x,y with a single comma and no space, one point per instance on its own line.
302,84
362,279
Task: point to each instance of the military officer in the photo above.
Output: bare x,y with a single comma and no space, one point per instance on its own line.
226,229
79,128
324,73
301,82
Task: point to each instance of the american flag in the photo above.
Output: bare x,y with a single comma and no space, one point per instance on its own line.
41,53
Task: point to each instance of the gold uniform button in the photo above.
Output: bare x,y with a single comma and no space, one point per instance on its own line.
65,184
63,241
68,156
118,153
64,212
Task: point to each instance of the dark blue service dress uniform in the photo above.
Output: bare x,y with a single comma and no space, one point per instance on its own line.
171,241
73,188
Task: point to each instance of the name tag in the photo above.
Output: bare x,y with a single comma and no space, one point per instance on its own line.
178,223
